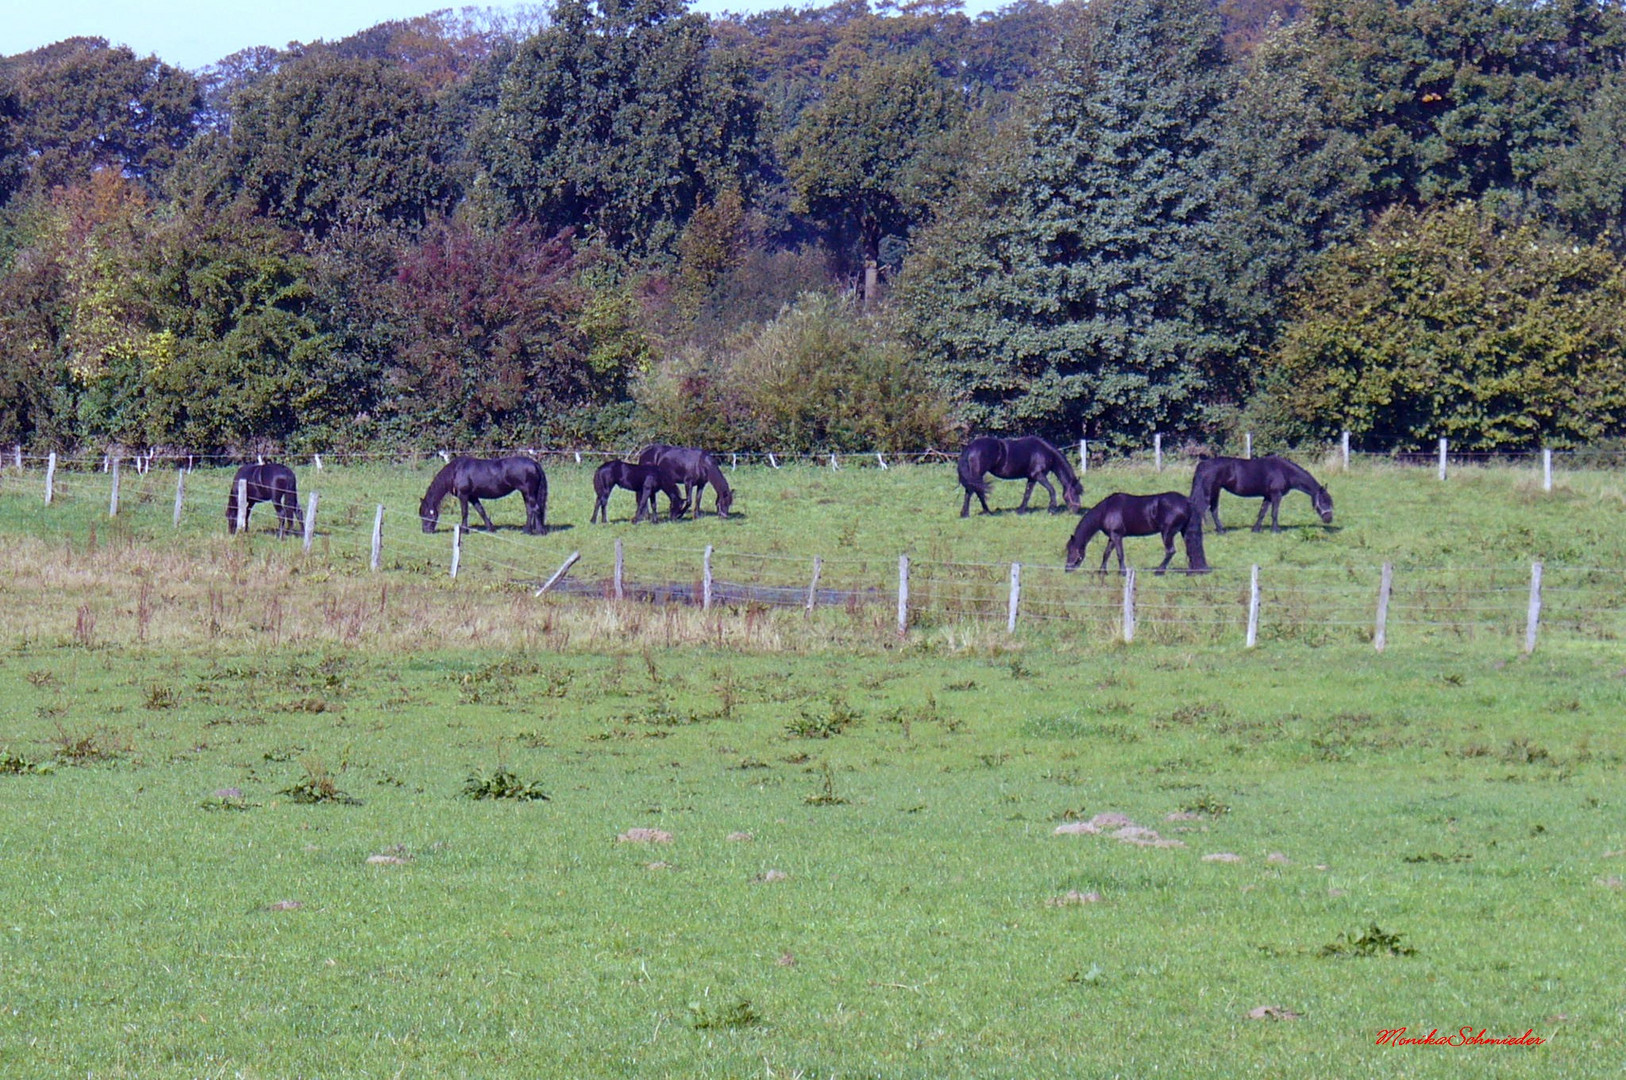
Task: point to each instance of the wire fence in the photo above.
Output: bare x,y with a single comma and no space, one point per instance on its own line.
1084,453
1317,604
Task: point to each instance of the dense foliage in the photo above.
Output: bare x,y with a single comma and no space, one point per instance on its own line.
833,227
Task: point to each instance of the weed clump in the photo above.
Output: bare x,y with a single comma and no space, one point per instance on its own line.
501,784
91,747
811,725
17,765
1376,941
827,796
318,787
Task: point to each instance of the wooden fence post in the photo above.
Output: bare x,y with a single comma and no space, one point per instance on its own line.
833,465
378,537
559,573
1546,469
113,503
705,580
1016,597
50,478
1380,633
1157,450
1129,605
318,460
19,457
180,494
310,521
1346,451
1532,618
1247,444
1083,456
903,595
1444,443
457,548
620,557
1253,607
242,506
813,586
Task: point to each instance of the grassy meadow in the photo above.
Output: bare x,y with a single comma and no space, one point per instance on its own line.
269,815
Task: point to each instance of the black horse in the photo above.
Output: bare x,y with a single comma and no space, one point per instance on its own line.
1119,515
694,469
1028,458
1268,477
472,479
643,481
270,483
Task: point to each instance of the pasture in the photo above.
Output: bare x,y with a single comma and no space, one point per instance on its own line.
241,837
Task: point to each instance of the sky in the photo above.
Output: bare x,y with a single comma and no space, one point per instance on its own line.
192,34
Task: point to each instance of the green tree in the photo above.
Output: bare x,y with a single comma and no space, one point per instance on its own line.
84,106
328,141
233,296
1447,323
868,160
1453,99
1080,282
619,120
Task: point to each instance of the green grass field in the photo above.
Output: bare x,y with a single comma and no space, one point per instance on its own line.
863,876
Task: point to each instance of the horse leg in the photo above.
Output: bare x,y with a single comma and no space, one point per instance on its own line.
1118,541
965,509
479,506
1168,551
1026,495
1275,508
1213,508
1042,482
1264,508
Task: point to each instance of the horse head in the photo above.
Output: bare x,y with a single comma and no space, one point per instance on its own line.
429,513
1072,493
1322,499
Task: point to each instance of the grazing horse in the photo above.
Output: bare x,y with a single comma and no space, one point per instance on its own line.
1268,477
641,480
1119,515
1028,458
270,483
472,479
694,469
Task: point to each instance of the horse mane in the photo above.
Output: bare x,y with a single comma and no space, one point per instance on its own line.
1298,473
440,486
1064,470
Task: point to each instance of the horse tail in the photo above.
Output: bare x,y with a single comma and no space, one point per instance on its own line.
1196,559
539,492
971,468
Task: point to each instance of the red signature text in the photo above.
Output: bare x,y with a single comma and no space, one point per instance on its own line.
1464,1037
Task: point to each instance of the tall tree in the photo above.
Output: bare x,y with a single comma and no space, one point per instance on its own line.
1081,284
868,160
85,105
619,120
327,141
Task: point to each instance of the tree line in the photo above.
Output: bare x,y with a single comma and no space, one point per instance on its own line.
835,227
